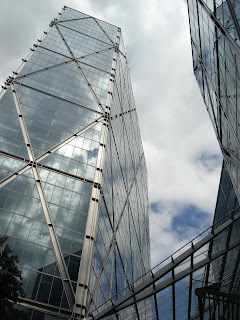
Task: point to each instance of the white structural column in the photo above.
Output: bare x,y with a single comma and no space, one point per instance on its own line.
91,227
59,257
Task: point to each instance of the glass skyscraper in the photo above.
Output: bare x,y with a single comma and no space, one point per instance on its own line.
73,178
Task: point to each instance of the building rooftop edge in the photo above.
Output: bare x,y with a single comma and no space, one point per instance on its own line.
92,16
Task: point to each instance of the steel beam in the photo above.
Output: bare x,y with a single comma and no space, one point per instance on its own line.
94,53
91,227
150,291
113,239
44,307
47,153
56,246
44,69
67,20
190,288
104,31
57,97
74,136
57,250
87,35
234,18
81,71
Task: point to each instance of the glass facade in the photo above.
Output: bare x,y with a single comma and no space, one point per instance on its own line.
215,34
227,200
224,272
215,39
73,195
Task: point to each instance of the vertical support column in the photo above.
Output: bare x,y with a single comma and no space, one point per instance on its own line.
235,21
57,249
91,227
173,292
56,246
22,125
190,285
219,110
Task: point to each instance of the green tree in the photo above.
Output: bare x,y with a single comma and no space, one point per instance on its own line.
10,283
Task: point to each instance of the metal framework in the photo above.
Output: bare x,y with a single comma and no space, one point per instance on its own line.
182,271
223,305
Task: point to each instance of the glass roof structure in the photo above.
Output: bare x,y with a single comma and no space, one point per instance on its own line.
199,281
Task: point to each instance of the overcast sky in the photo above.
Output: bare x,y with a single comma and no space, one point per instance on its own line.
182,153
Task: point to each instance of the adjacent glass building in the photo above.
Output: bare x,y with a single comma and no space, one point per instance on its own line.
73,177
215,39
